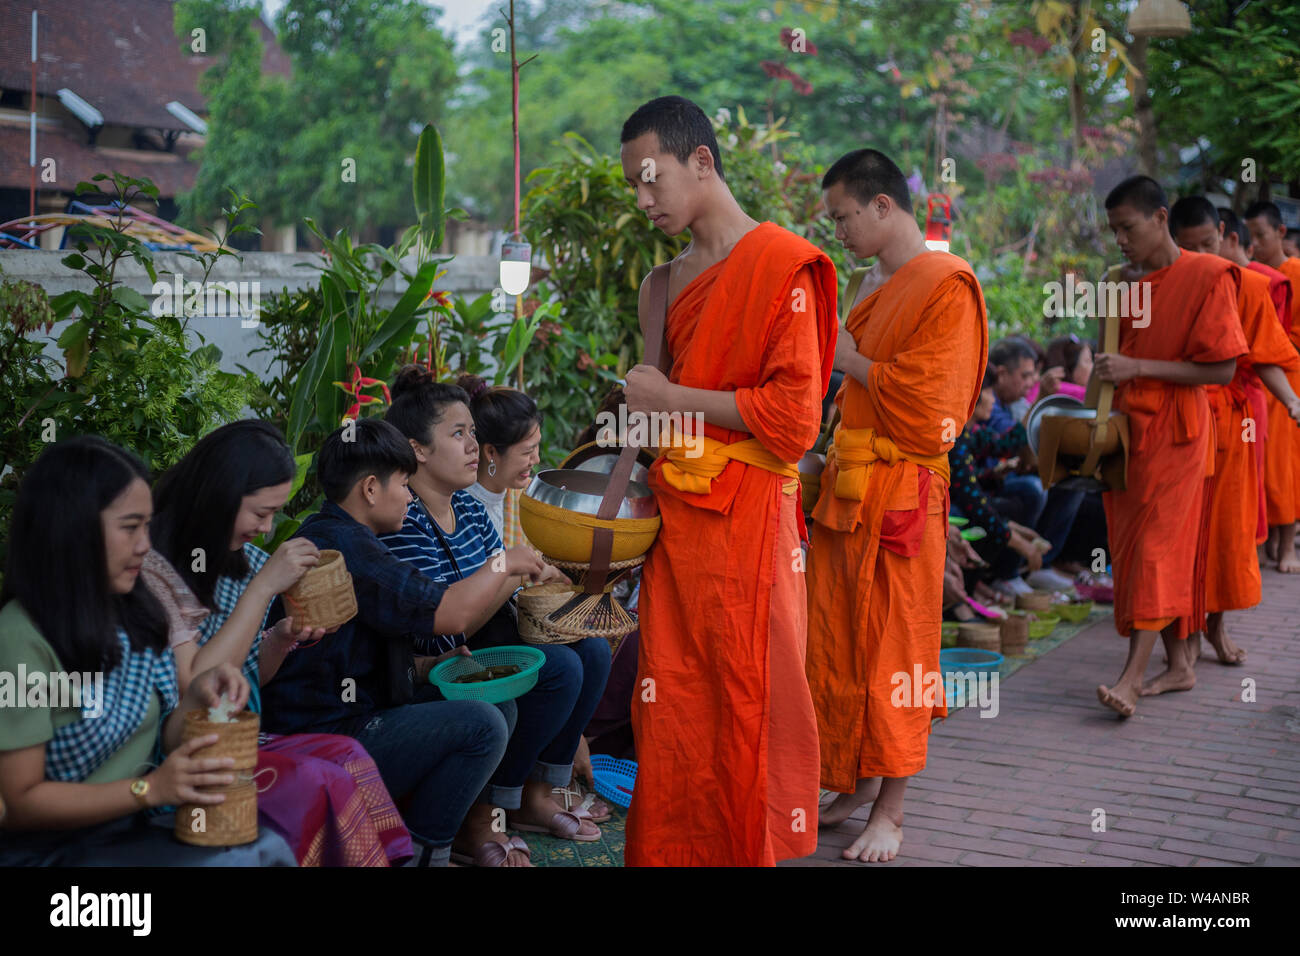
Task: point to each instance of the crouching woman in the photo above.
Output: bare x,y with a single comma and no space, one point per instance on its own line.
75,773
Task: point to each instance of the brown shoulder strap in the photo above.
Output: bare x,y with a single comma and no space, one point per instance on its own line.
656,351
851,292
656,332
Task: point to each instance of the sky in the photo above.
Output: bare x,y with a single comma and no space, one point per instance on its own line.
460,18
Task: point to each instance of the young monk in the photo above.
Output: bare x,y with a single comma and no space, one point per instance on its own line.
1189,336
1275,486
1264,221
914,351
1232,570
725,732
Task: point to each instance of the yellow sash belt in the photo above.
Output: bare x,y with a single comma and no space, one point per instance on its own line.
856,451
695,474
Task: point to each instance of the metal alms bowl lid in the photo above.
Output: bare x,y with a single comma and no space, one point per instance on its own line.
582,491
1056,405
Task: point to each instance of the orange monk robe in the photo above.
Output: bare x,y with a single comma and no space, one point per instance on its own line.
1232,569
725,733
1158,524
1282,442
1291,269
875,561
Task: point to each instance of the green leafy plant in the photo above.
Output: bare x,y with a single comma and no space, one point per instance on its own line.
129,375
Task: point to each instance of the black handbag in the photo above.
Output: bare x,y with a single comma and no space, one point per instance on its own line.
503,626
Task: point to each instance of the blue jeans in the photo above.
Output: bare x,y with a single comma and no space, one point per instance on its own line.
437,755
552,717
1057,519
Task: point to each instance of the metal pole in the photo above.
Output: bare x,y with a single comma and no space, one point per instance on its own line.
31,198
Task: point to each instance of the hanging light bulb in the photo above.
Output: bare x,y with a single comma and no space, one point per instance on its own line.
516,266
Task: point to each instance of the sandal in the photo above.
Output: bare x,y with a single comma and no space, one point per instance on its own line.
493,853
565,825
588,804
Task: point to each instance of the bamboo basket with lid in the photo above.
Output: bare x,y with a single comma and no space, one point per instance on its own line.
324,596
238,737
985,637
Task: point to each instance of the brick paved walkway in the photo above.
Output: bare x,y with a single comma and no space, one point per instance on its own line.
1194,778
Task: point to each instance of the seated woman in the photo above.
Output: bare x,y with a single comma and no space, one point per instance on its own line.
510,436
436,755
325,796
1006,542
1069,364
74,774
447,535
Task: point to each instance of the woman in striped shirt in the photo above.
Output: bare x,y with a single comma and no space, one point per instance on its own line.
448,535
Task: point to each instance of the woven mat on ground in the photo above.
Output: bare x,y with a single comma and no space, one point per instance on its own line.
1060,634
607,851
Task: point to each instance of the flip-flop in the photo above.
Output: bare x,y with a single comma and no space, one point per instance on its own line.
565,825
493,853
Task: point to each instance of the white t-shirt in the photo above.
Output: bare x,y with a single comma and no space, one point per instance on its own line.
494,502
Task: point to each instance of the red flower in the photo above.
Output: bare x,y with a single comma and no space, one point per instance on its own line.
788,39
585,361
778,72
1030,41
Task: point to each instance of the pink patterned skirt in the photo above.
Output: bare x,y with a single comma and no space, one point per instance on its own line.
328,802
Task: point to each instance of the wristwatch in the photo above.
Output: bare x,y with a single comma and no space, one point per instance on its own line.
140,790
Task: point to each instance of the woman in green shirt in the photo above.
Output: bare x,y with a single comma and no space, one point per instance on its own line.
74,753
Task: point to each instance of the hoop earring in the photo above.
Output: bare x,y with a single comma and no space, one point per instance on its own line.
492,467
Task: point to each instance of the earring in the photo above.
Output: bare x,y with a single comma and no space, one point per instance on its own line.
492,467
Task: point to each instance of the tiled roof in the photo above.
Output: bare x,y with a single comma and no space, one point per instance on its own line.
121,56
77,161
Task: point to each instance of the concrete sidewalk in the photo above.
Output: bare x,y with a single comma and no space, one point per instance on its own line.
1194,778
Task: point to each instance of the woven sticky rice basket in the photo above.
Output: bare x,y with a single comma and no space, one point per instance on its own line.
985,637
566,535
238,738
1038,601
323,597
1014,633
231,823
538,601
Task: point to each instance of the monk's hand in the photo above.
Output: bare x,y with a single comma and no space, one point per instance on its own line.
846,350
1114,367
1293,409
646,390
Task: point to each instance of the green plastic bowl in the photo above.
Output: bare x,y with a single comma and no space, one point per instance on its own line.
958,522
1075,611
948,633
529,660
974,534
1045,625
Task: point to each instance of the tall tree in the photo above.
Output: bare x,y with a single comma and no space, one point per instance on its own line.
334,140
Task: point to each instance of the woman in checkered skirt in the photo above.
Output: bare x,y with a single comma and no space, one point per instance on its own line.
326,796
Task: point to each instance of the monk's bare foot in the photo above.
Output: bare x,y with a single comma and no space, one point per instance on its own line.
1227,649
1270,546
1120,699
879,842
1288,564
1175,678
1193,649
844,804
